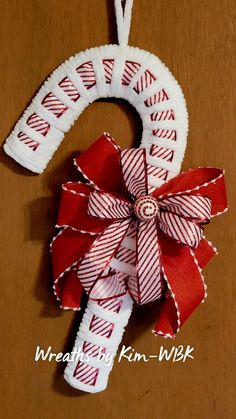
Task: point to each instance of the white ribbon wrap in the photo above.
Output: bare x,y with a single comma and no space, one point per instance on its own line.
91,374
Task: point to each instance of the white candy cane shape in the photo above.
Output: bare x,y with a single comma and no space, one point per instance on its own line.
118,71
99,346
115,71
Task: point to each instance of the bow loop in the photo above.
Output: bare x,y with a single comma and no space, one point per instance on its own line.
193,207
106,205
134,169
181,217
180,229
96,260
204,181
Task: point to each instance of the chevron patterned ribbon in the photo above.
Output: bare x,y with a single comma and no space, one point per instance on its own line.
95,217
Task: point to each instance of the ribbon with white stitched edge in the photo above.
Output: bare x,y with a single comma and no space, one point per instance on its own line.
180,217
169,241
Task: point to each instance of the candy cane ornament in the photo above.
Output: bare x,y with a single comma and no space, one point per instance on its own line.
115,247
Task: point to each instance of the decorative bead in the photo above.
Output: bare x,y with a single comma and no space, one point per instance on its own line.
146,207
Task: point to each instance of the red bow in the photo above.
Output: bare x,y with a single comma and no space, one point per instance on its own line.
117,237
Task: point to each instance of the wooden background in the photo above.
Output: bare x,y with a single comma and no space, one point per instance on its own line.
195,38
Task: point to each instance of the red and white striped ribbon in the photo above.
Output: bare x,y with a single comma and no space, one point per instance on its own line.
133,163
147,286
105,205
97,259
196,207
181,215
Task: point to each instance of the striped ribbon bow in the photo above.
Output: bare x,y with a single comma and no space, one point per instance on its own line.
114,219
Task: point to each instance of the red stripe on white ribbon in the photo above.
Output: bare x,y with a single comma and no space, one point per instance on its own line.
26,140
130,70
113,304
54,105
97,259
108,65
38,123
145,80
148,263
105,205
101,327
161,152
196,207
169,134
133,163
67,86
161,96
163,115
126,255
110,286
87,74
180,229
86,373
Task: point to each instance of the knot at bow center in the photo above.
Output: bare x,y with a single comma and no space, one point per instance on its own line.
146,207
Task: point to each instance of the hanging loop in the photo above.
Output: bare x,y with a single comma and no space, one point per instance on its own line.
123,11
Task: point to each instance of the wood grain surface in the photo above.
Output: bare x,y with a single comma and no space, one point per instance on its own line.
196,40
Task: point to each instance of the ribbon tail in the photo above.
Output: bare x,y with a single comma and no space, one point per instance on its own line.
186,287
70,292
204,252
95,263
67,248
147,285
